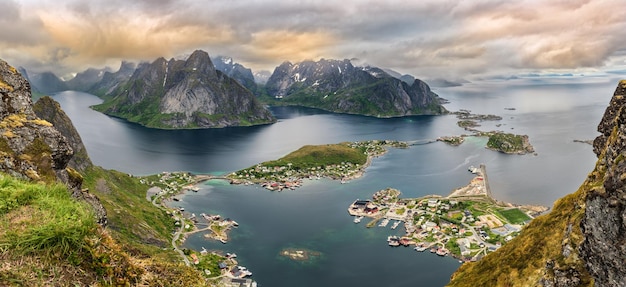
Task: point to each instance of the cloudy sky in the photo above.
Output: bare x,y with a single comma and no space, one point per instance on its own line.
425,38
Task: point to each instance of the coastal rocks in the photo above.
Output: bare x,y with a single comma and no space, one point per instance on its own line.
604,224
510,143
301,255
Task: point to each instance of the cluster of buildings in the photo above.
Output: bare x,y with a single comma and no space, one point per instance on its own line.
290,177
443,225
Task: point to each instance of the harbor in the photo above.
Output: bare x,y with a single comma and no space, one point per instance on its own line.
467,224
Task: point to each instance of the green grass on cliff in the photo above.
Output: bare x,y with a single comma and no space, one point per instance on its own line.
321,155
47,238
38,218
522,261
144,228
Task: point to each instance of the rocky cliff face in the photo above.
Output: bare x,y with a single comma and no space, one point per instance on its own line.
581,242
236,71
45,82
184,94
339,86
111,81
604,224
48,109
85,80
30,147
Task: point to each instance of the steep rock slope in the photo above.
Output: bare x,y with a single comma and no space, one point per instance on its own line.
604,224
581,241
30,147
111,81
83,81
236,71
45,82
184,94
48,109
47,237
338,86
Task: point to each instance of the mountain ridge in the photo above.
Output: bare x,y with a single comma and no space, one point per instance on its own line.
338,86
184,94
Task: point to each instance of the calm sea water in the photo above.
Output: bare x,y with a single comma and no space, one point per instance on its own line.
553,113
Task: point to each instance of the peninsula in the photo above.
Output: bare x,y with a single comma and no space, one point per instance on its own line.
467,224
343,161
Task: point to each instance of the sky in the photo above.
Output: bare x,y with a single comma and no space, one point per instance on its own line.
424,38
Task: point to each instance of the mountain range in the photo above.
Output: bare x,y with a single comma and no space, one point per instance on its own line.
133,92
338,86
186,94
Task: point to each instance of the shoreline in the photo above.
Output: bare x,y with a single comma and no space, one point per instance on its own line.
469,217
349,171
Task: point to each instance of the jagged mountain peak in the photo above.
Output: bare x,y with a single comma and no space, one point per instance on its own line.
187,93
200,62
339,86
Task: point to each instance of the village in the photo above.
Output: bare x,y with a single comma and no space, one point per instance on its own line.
224,268
467,224
276,176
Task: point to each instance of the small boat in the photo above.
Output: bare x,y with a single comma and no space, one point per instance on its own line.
357,219
442,252
393,240
420,248
384,222
395,224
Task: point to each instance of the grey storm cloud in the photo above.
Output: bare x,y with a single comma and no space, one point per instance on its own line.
424,38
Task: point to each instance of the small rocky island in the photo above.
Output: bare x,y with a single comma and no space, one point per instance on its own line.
498,141
300,255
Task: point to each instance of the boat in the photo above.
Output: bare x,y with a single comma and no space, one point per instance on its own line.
395,224
357,219
420,248
384,222
393,240
442,252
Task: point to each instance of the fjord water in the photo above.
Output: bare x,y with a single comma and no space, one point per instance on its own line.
552,112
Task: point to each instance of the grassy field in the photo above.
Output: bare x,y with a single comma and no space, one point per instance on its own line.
321,155
514,216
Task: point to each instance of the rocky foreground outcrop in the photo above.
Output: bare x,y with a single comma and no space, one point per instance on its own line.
582,241
48,109
604,224
31,147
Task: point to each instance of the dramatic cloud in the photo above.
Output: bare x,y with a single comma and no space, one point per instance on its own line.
428,39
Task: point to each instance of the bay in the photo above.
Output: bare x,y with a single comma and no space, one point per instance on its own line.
552,112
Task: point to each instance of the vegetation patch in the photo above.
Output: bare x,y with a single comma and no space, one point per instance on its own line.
514,215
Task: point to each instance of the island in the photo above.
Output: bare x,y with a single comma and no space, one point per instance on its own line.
467,224
498,141
300,255
343,161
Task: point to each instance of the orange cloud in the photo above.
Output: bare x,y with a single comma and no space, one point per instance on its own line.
281,45
123,37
